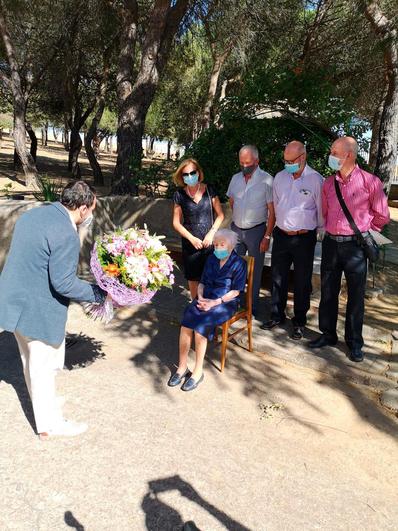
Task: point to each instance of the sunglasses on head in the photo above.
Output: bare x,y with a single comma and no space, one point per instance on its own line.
193,172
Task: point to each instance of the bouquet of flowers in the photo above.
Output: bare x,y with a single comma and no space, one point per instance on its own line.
131,266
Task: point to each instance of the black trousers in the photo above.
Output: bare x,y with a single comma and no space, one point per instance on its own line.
299,251
339,257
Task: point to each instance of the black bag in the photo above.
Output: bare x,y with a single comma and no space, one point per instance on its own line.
368,244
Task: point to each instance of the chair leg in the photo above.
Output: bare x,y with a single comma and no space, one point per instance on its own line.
249,334
216,334
225,327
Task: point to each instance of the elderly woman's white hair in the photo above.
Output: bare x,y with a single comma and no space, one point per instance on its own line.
226,234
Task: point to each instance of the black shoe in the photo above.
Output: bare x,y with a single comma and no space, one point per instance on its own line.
322,341
192,384
176,379
269,325
356,355
298,332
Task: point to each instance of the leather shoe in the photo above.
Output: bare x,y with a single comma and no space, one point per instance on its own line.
322,341
298,332
269,325
356,355
176,379
192,384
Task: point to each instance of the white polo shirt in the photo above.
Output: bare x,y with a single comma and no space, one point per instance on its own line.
250,200
298,202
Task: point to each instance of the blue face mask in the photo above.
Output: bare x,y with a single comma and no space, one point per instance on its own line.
335,163
221,254
191,180
87,222
292,168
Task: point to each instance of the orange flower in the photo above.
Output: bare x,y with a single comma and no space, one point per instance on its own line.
112,270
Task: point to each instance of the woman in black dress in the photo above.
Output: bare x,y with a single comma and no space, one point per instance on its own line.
197,215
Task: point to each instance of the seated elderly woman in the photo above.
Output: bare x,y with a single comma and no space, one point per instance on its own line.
223,278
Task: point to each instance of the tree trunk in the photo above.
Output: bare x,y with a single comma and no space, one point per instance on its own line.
55,134
129,153
33,141
218,61
134,99
169,144
28,164
46,134
374,142
386,159
66,134
90,136
74,152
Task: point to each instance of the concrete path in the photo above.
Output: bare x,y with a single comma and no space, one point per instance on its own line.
264,446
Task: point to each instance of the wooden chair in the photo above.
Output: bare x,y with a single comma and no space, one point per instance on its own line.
243,313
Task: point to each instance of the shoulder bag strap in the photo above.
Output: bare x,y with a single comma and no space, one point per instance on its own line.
347,213
211,206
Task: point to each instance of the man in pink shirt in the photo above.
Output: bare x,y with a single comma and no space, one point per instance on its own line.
364,196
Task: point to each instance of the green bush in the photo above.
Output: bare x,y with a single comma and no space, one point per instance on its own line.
217,149
152,179
6,190
49,191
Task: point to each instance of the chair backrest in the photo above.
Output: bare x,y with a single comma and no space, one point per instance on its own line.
249,282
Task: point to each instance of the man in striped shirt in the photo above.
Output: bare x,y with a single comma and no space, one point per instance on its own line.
364,196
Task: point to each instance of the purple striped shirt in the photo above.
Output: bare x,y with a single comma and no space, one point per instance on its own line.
364,196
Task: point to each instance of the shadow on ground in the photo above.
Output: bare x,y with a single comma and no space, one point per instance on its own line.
161,516
257,378
81,351
71,521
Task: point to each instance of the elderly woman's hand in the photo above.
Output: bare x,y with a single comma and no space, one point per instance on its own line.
206,304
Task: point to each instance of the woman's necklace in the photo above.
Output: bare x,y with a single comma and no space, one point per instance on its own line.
196,191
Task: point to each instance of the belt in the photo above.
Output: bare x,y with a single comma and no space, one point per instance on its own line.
294,232
343,238
249,228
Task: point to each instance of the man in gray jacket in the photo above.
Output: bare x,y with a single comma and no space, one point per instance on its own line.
37,283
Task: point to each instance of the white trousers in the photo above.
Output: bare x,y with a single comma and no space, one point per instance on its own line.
40,362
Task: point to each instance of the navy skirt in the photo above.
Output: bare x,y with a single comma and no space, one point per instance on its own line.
205,322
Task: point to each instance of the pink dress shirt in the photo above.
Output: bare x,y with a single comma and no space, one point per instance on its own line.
364,196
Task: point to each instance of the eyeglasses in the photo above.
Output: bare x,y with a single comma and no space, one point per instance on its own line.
193,172
294,160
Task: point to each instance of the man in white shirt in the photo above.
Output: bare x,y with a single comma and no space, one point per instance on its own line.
298,212
253,218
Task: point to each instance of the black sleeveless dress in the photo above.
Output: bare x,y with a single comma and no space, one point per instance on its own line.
198,220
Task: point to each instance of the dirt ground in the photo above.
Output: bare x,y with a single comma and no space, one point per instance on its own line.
52,161
264,446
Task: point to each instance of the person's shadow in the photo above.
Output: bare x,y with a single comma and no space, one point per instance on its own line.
71,521
81,350
160,516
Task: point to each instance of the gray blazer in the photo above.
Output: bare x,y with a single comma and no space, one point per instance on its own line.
39,277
